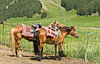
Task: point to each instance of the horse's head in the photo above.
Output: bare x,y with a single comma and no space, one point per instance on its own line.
73,32
70,30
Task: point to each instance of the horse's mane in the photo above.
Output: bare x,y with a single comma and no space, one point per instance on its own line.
65,27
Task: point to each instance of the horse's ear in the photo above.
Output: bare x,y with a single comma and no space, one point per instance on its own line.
72,26
54,21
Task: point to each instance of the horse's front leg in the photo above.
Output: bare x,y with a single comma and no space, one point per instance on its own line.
40,53
17,46
59,58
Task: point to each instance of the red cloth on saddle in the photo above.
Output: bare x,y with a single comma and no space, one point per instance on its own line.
49,32
26,31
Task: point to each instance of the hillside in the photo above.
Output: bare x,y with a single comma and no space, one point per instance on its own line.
56,12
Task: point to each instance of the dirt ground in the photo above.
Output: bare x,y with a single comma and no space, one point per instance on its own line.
30,58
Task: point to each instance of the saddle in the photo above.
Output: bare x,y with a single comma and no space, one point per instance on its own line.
55,30
35,28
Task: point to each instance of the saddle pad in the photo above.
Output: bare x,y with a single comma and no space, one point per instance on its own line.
49,32
26,31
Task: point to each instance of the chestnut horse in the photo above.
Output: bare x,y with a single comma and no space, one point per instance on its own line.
64,32
16,36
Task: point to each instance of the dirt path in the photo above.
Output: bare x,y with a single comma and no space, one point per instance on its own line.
30,58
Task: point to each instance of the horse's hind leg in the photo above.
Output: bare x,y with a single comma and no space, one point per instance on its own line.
17,46
41,52
59,58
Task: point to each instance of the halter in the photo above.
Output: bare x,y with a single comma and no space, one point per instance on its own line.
73,33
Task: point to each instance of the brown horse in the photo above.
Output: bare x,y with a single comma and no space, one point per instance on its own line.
16,36
64,32
48,40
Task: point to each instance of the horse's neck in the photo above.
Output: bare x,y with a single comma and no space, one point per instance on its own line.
64,32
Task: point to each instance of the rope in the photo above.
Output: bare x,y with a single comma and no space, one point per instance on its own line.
58,37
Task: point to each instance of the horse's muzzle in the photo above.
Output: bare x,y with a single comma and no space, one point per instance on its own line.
76,36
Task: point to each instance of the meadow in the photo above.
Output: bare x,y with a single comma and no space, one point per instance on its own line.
72,47
86,47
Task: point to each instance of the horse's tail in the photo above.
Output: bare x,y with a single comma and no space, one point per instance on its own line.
12,39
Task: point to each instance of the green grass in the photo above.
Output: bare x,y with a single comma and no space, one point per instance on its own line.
84,21
72,47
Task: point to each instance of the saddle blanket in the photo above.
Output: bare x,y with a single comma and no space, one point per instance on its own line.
27,32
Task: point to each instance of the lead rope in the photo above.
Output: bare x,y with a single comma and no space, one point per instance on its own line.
58,37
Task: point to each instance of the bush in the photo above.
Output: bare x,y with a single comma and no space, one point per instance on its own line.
44,14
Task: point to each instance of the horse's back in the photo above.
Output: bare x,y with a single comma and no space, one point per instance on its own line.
18,28
42,31
18,32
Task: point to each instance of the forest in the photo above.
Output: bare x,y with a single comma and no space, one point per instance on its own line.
19,8
83,7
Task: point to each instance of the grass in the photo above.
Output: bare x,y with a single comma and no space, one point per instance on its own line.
72,47
91,21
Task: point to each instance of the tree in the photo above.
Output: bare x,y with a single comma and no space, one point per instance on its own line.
83,7
19,9
43,15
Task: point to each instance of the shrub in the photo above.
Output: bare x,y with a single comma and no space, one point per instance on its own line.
44,14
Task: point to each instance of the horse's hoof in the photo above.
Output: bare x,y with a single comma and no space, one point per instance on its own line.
55,58
42,61
10,49
59,59
36,54
39,59
20,56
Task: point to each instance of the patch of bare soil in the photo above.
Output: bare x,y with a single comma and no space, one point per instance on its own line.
30,58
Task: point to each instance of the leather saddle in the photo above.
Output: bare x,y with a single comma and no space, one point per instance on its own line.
35,28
